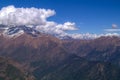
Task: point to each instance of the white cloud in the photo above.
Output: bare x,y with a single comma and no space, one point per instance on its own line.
84,36
54,28
112,34
37,18
114,26
112,30
92,36
34,17
24,16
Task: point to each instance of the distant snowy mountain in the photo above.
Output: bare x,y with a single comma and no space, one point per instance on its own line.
18,30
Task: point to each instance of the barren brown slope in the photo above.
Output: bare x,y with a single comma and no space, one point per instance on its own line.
10,70
100,49
27,48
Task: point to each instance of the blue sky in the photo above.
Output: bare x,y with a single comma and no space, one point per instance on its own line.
91,16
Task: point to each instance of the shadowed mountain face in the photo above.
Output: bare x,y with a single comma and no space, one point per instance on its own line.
49,58
101,49
10,70
80,69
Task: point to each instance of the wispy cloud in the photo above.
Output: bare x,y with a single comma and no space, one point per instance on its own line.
114,26
112,30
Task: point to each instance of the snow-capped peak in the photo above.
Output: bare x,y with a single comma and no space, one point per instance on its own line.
18,30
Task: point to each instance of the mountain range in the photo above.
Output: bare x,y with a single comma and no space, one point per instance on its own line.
33,55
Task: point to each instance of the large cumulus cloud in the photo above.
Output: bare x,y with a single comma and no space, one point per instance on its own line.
24,16
33,17
37,18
